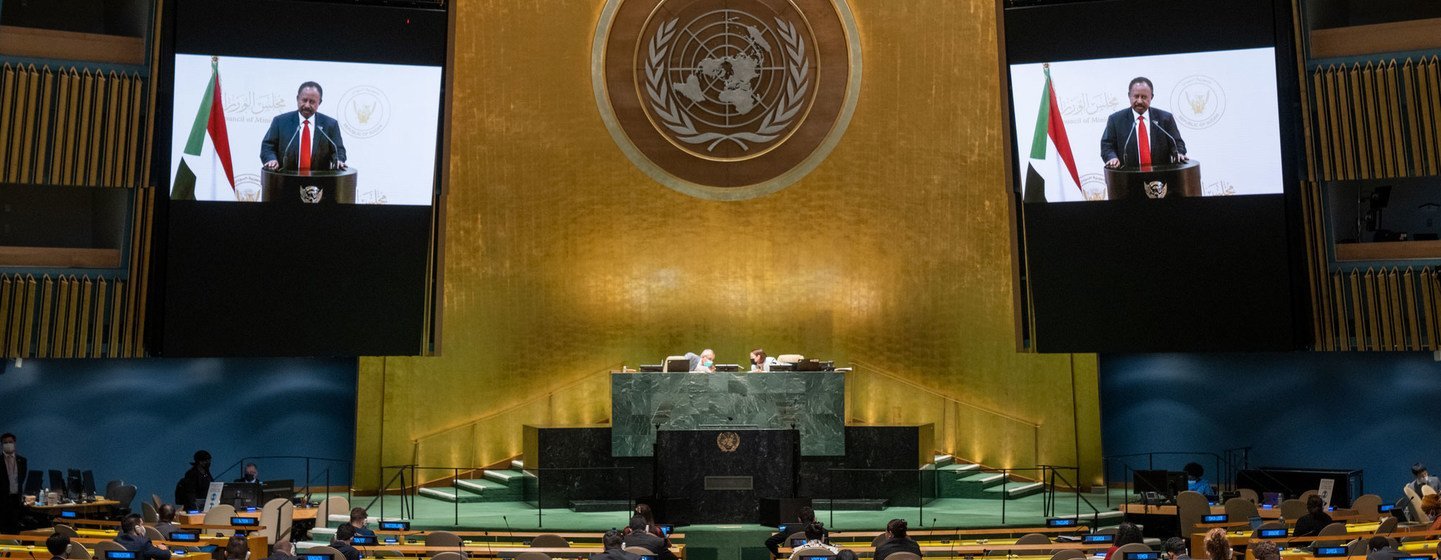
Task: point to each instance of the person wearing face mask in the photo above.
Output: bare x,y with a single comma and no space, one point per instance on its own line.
12,483
360,519
132,537
706,363
251,474
190,491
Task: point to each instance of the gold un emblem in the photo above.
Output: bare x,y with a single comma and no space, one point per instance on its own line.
726,99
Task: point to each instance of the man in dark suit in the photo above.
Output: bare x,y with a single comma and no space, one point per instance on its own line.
343,534
303,139
58,545
283,550
639,536
1141,135
191,489
12,483
612,542
132,537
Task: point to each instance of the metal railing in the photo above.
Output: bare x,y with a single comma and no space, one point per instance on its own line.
1126,462
313,473
405,482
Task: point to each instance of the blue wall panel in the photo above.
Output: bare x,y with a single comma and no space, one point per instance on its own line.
141,420
1373,411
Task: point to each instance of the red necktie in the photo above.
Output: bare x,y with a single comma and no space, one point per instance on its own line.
305,146
1141,133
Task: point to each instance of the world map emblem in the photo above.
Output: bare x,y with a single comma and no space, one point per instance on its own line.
726,99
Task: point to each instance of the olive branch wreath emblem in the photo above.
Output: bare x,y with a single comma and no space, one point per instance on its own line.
675,119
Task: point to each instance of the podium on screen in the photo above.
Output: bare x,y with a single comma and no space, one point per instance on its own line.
330,186
1168,180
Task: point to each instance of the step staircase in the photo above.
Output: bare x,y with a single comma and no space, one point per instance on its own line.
968,480
493,485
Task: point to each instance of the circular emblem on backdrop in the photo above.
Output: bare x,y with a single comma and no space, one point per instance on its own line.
364,111
728,442
726,99
1198,101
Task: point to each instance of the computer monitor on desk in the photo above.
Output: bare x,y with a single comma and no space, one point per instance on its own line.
272,489
1166,484
240,494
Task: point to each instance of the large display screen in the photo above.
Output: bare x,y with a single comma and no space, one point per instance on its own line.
1216,108
378,119
1173,127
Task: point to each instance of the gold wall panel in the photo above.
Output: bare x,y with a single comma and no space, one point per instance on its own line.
562,260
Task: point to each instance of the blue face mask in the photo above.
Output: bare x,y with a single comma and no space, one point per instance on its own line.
708,363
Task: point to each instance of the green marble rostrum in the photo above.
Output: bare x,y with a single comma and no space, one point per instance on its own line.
812,402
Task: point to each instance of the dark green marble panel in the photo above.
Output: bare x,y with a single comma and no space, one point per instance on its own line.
811,401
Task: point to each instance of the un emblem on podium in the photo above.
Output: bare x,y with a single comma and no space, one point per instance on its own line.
728,442
726,99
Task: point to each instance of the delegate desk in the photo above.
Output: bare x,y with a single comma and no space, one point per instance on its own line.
959,550
945,536
99,505
300,514
486,551
1241,537
257,544
510,538
1164,521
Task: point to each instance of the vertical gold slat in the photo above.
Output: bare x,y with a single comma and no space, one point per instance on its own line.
1315,264
1358,311
1433,124
83,128
1413,119
42,142
61,338
1409,304
7,104
146,210
1338,306
112,126
133,161
8,327
47,303
75,133
1346,156
62,117
98,131
1373,315
1382,311
1428,319
20,167
117,316
82,334
97,346
18,124
1398,315
127,131
1395,149
28,320
1366,100
1323,128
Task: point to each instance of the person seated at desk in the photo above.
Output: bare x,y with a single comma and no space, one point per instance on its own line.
804,517
1218,546
166,524
1266,550
1431,505
705,362
1196,480
235,549
343,534
1379,548
760,361
637,535
815,540
360,519
651,527
1316,518
1175,549
190,491
251,475
283,550
59,546
897,541
612,542
132,537
1126,533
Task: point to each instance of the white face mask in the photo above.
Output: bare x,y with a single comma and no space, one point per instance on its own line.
8,447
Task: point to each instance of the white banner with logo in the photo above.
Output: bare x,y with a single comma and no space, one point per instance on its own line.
389,116
1224,102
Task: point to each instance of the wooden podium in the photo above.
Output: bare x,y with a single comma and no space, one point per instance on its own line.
1167,180
328,186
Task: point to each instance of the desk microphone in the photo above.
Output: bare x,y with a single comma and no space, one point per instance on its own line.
1175,149
334,149
285,154
510,534
1127,144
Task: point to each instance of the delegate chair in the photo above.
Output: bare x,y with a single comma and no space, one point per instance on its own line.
1365,506
102,547
1191,508
531,555
814,552
153,534
220,514
639,551
1070,554
149,513
77,552
1388,526
444,539
549,540
156,501
448,556
1306,495
66,530
1333,529
1240,509
334,554
881,538
110,487
1292,510
333,509
904,556
125,494
1032,538
277,517
1272,524
1133,547
1249,494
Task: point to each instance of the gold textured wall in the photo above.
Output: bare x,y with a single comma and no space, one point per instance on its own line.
562,260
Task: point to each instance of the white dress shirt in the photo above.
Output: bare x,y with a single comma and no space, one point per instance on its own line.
299,123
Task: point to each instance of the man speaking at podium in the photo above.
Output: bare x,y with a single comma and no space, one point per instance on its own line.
1141,135
303,140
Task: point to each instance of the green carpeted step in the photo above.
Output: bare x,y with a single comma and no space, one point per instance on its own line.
508,477
450,494
1015,490
945,460
965,481
959,467
490,490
